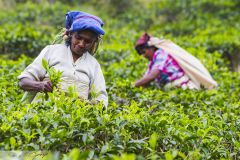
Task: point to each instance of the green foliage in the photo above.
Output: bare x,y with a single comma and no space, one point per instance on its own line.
23,39
147,122
28,27
55,76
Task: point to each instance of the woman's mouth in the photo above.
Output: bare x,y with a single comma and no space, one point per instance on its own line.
80,49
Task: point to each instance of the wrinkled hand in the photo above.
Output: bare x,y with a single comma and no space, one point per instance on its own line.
46,86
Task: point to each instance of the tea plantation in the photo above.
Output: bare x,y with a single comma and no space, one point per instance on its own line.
140,123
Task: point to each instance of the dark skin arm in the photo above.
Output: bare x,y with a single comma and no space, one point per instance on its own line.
147,78
28,84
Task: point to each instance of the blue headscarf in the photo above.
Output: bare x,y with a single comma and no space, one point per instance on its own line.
77,21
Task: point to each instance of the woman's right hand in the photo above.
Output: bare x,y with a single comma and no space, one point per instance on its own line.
45,86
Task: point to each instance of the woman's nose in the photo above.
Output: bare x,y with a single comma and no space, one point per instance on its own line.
144,55
81,43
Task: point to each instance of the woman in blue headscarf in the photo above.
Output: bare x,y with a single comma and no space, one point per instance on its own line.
74,58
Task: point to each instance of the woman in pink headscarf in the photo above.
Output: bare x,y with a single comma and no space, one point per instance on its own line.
171,66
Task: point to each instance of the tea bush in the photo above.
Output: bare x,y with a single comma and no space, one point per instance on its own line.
188,123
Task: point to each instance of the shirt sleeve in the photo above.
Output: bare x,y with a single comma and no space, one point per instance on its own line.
160,60
35,70
99,86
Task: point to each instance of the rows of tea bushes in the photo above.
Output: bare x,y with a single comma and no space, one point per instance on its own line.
210,116
146,122
26,28
140,123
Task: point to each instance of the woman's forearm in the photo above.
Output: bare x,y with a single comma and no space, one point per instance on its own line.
147,78
143,81
28,84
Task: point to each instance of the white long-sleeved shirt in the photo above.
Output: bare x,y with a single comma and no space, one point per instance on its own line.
85,73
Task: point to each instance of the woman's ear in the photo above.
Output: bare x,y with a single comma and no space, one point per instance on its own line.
70,34
97,39
95,45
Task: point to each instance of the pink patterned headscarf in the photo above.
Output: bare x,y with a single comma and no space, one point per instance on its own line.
142,42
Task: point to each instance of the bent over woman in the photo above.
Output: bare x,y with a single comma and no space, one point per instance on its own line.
171,66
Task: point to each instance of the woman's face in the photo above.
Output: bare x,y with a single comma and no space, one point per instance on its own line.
148,53
82,41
